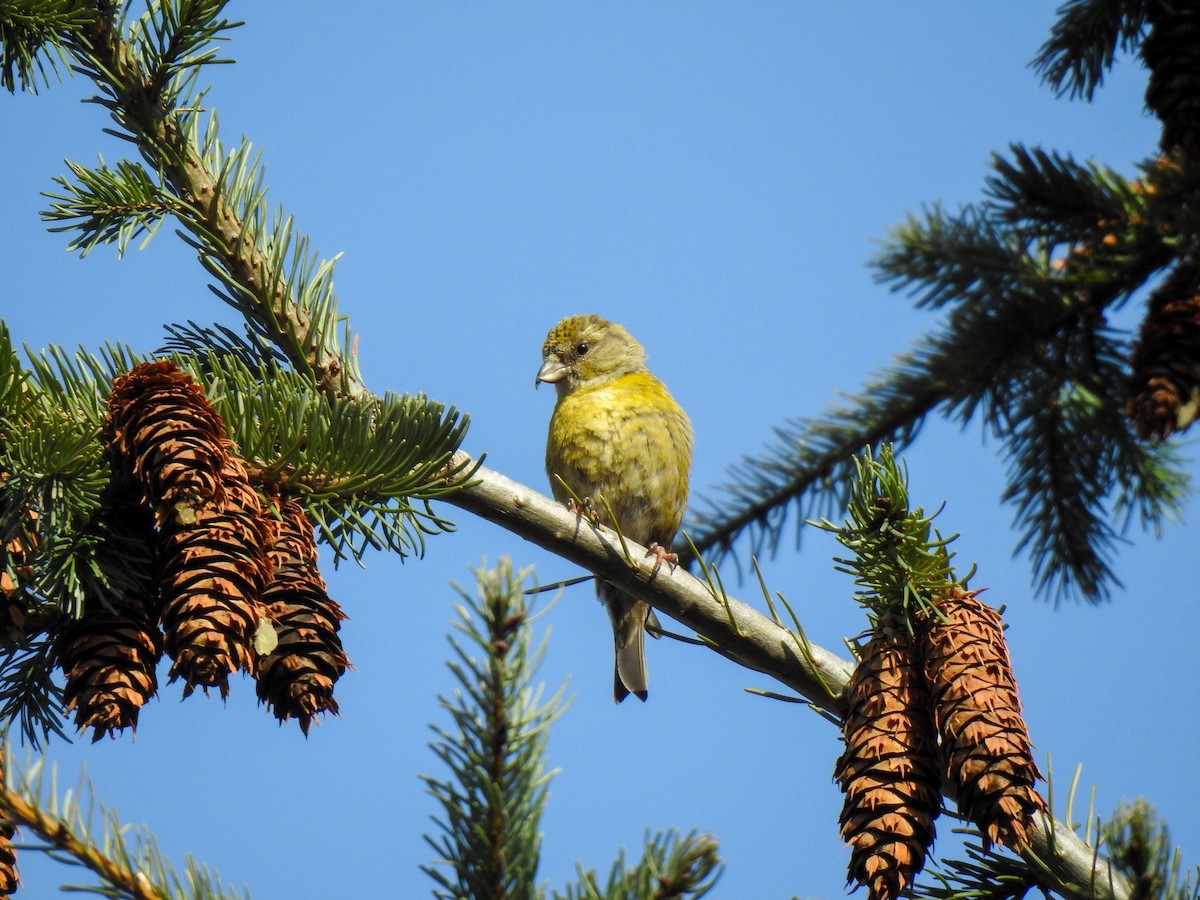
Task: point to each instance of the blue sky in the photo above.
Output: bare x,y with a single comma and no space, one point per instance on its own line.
715,177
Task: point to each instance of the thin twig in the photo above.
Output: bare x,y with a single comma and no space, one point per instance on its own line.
57,832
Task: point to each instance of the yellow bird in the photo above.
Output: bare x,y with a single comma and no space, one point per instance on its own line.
619,441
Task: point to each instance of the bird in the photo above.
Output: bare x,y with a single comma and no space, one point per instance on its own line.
618,441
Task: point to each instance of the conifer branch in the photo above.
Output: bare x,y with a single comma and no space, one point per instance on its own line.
59,834
109,206
1029,271
492,802
1133,838
741,632
751,638
264,268
32,36
1025,348
29,694
1140,844
366,469
672,867
127,861
1084,41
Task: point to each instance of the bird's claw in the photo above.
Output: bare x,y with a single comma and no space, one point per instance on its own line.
584,510
661,554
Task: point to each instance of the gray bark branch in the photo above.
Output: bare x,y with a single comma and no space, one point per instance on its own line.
740,632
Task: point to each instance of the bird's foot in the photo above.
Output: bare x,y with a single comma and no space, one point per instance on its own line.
661,554
584,510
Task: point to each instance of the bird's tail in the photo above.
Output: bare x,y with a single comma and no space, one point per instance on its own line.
630,617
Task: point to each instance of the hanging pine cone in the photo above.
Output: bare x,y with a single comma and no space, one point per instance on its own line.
109,659
110,654
985,742
213,532
167,437
1171,51
9,879
1165,378
214,570
889,770
296,679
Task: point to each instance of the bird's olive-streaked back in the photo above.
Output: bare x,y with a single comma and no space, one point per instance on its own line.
591,349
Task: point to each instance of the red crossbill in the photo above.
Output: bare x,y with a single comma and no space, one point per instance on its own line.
619,442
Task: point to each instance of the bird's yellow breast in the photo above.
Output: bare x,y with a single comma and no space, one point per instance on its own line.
626,443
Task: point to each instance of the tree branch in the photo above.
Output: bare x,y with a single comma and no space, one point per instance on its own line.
236,250
57,832
739,631
735,630
1008,338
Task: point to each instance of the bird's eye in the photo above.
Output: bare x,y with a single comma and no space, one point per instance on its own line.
582,348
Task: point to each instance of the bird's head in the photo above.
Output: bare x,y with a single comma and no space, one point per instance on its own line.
588,350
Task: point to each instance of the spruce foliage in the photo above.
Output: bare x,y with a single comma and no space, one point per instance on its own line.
1026,280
